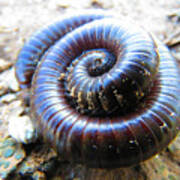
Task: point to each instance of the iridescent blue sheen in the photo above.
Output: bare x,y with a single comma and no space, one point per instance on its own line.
117,113
44,39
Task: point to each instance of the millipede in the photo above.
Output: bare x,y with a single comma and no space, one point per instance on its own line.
104,92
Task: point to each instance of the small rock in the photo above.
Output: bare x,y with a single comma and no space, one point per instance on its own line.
12,82
8,81
3,88
38,175
8,98
21,129
15,108
4,64
102,3
11,154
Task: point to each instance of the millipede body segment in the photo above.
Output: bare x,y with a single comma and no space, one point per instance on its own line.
104,92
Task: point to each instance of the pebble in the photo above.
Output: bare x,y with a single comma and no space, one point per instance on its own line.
21,129
12,81
4,64
8,98
3,88
38,175
103,3
8,153
11,154
8,81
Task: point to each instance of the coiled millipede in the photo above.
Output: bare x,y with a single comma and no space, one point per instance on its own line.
104,92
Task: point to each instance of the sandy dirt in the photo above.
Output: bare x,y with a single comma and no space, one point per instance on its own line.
20,18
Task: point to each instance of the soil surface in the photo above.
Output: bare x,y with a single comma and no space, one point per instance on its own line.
18,20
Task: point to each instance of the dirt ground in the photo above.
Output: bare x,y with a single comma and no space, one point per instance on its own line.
20,18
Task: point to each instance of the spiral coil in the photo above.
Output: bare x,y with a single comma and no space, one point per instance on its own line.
104,93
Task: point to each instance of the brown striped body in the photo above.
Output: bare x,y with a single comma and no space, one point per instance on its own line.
105,94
